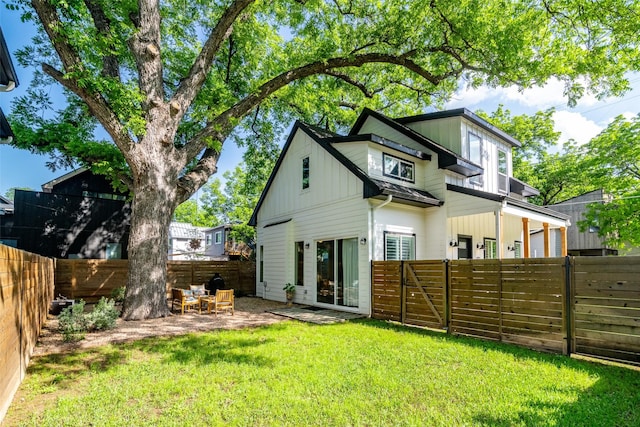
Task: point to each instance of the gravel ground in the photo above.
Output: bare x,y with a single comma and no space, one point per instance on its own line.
249,312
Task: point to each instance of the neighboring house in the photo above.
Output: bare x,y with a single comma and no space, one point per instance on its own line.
8,81
584,243
215,242
221,246
78,215
186,241
434,186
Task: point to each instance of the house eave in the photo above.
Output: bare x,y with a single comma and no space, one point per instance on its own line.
468,115
522,188
376,139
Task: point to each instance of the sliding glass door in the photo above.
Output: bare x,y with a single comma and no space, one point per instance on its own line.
337,272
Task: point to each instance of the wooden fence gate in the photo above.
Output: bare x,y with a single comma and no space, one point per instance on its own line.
586,305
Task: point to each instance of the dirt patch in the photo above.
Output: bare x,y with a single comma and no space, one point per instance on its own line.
249,312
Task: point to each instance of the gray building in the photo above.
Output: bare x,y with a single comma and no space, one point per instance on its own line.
588,242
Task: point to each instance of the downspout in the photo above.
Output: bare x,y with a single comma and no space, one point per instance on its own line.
372,243
372,234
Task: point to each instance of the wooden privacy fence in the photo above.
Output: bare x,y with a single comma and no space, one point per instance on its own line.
91,279
587,305
26,290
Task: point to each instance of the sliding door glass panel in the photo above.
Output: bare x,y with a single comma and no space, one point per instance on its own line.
325,255
348,273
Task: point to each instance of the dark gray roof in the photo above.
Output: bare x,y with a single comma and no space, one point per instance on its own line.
447,159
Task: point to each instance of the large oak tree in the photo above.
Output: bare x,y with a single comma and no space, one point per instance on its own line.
171,81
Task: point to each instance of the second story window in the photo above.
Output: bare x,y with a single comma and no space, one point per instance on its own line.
474,149
398,168
305,173
502,172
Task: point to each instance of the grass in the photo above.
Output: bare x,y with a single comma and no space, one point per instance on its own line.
358,373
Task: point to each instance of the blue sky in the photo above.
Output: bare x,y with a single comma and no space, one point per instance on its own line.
20,168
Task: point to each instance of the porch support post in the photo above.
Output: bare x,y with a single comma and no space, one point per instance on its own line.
525,237
499,234
563,241
547,240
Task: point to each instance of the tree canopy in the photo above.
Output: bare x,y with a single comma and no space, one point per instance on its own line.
169,82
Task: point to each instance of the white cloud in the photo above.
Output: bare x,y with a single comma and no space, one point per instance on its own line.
575,126
537,98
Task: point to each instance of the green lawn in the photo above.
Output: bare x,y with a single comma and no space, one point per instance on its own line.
359,373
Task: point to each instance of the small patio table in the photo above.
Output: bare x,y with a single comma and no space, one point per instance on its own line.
208,299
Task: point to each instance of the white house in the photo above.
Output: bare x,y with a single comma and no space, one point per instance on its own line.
186,241
433,186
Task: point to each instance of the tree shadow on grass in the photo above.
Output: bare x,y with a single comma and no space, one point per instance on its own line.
612,400
201,349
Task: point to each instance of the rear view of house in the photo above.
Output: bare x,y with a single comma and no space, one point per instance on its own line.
434,186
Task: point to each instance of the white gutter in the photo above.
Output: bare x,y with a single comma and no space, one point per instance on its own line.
8,87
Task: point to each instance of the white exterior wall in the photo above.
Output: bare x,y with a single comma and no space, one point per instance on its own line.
445,131
331,208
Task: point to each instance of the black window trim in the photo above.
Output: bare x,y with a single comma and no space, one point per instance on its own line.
401,160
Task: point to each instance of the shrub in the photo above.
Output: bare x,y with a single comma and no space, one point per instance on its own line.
103,316
73,322
117,294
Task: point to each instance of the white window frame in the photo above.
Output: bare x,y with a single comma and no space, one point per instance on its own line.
401,238
503,173
218,237
490,248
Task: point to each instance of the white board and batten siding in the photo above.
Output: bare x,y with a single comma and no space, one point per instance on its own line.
334,196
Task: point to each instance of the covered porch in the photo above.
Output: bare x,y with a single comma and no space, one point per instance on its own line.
482,225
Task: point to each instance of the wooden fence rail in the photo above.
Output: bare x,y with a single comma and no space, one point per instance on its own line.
26,290
586,305
91,279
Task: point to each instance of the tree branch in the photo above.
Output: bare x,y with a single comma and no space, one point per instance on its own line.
110,64
71,61
196,177
99,109
366,92
221,125
145,45
191,85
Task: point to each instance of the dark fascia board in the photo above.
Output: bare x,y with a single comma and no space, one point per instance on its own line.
405,195
463,112
7,72
510,201
376,139
447,159
522,188
5,128
49,184
476,193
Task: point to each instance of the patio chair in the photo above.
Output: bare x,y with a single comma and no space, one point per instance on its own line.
224,301
199,290
184,298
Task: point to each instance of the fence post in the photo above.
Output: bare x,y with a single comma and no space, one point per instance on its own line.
403,294
446,295
568,347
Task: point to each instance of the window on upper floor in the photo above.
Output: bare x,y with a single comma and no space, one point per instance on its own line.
395,167
305,173
473,152
503,179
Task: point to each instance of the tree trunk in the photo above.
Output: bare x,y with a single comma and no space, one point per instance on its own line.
152,209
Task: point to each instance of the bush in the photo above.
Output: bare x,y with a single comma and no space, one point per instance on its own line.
73,322
104,315
117,294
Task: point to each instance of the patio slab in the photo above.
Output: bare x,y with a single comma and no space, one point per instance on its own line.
320,316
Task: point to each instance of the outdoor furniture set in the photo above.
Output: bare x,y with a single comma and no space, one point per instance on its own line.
198,296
